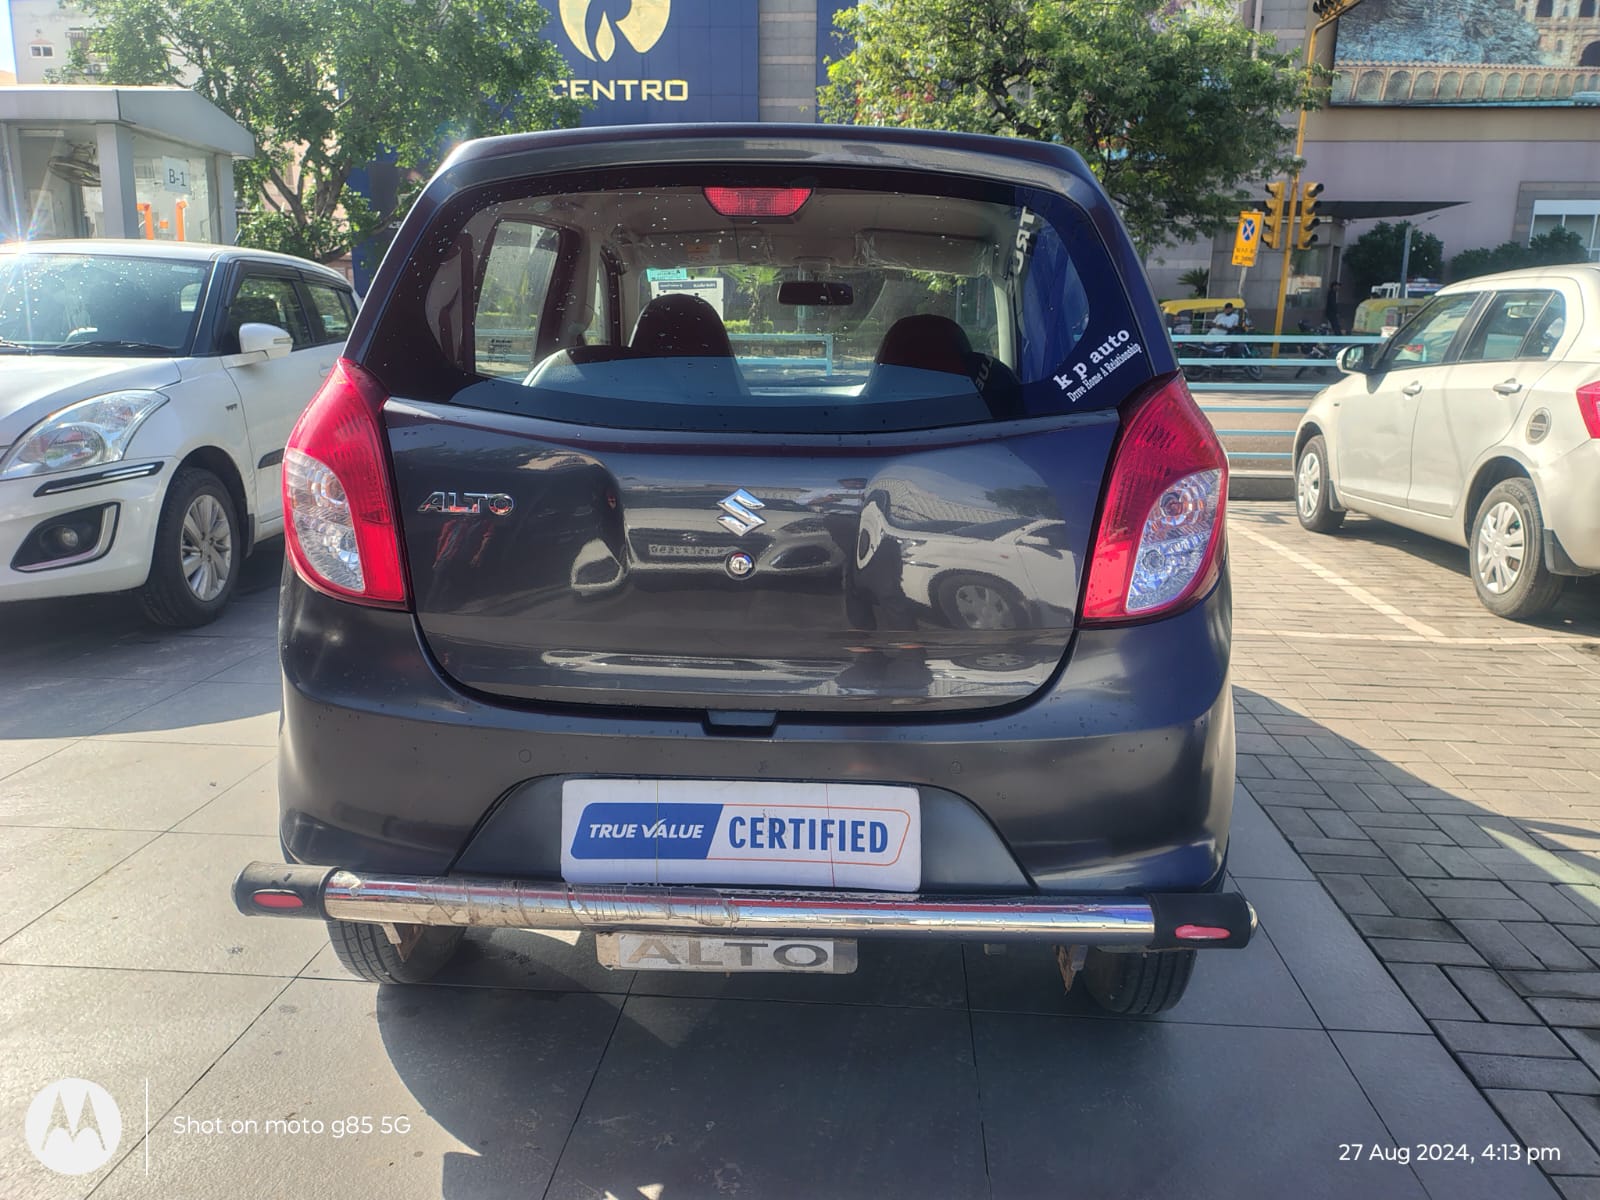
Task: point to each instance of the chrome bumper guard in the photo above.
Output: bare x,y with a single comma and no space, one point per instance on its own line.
1158,922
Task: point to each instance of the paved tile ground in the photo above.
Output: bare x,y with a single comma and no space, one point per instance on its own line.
136,775
1439,771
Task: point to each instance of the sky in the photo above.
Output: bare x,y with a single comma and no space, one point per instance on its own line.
6,63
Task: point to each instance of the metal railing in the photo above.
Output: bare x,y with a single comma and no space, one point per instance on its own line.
1284,373
1293,372
825,340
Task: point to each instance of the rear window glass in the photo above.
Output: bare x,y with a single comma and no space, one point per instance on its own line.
844,301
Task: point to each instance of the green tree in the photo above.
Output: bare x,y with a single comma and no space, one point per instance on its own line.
327,86
755,283
1176,108
1558,246
1197,280
1375,256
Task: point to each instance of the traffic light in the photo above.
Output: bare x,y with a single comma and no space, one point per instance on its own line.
1328,9
1272,226
1306,221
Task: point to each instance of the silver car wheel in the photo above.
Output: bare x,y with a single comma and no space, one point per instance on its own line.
1308,483
1500,548
206,547
983,607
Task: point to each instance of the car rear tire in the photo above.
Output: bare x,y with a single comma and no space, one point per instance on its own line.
1313,490
195,564
972,601
366,951
1507,553
1137,985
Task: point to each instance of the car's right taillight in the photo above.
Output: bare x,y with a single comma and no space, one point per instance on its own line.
338,506
1589,406
1158,547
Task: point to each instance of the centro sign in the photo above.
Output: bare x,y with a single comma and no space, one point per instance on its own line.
593,34
643,61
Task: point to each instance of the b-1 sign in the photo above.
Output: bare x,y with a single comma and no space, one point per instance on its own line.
174,174
1247,239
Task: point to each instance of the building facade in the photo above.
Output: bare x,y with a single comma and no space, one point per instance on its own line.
1476,153
43,34
1479,153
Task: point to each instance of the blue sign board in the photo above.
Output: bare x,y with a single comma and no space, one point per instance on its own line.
649,61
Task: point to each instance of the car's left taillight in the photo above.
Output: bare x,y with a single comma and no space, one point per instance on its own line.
1589,407
1158,548
338,503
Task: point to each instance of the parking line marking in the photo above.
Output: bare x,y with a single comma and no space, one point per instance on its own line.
1353,590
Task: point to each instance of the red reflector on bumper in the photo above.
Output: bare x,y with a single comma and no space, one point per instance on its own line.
1201,933
278,900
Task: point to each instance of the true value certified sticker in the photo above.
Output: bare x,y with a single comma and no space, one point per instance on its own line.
856,836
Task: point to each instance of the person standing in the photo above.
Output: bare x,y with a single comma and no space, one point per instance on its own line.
1330,309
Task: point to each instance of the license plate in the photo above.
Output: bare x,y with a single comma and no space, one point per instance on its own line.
833,835
668,952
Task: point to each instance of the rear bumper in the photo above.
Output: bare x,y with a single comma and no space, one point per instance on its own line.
1214,920
1117,780
1569,500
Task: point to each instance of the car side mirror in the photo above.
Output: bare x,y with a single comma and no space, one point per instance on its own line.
269,340
1357,360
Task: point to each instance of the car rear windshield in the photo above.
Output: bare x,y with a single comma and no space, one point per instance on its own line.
99,304
842,301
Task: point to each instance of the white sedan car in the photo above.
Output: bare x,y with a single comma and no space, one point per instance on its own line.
149,390
1478,422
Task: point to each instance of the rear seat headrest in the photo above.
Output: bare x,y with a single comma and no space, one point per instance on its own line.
928,342
680,326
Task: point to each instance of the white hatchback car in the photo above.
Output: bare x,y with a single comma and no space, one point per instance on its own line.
149,390
1478,422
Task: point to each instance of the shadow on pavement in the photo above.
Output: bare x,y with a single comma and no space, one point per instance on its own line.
1578,610
85,622
1489,920
92,664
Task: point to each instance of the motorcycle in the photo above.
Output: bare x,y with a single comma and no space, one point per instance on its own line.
1318,350
1223,358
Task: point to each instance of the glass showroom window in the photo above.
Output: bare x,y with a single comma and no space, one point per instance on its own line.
1581,217
172,186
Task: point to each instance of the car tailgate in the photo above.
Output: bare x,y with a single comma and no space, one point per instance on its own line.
925,571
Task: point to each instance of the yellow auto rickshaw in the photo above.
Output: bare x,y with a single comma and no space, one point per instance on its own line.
1383,317
1195,315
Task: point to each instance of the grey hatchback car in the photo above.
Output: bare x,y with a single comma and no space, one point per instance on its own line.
740,542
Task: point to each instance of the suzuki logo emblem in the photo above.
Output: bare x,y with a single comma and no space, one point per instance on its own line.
642,27
739,514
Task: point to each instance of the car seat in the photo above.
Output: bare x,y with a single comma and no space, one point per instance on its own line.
929,342
926,342
680,326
